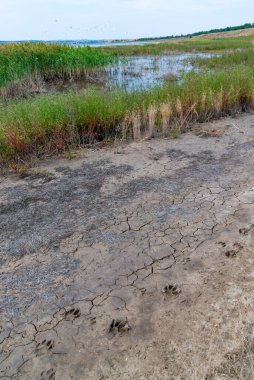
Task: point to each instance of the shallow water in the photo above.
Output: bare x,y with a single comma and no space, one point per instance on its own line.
144,72
129,74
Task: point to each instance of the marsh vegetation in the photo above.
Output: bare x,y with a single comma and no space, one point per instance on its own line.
27,66
205,87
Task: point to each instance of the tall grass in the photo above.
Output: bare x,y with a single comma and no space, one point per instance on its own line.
56,122
48,61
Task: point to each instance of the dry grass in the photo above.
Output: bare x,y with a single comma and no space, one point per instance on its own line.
151,116
166,113
230,34
136,125
225,352
239,363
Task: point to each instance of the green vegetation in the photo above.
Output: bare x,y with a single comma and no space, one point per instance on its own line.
53,123
219,30
170,47
48,61
59,122
240,59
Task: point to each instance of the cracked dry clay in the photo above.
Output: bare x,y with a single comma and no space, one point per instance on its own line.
136,265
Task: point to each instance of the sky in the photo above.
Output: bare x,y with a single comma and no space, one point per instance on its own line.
115,19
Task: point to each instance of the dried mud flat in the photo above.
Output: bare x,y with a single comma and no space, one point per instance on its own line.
135,264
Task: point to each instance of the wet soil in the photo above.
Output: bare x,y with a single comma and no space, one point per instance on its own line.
129,263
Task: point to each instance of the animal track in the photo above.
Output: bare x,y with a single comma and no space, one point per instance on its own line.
44,346
119,326
48,375
171,289
222,243
72,314
238,246
92,320
233,252
245,231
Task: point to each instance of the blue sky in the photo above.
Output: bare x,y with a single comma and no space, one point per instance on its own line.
99,19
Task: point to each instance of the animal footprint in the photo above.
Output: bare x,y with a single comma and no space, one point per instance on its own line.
233,252
48,375
245,231
72,314
119,326
45,346
171,289
238,246
92,320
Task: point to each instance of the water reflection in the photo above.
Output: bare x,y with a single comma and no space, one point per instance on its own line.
143,72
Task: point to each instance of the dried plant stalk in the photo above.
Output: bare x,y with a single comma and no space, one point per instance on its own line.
218,101
136,125
125,126
151,113
166,113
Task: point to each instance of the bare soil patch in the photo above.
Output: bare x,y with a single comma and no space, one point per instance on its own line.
135,264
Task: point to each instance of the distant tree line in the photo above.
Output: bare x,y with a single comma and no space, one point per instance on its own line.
227,29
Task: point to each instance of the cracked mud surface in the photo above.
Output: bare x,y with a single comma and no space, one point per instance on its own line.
131,265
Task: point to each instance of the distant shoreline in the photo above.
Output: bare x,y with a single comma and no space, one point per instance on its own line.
95,43
136,41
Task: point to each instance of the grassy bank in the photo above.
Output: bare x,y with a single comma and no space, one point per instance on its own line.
49,62
54,123
240,28
182,45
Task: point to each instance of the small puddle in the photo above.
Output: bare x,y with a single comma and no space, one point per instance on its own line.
144,72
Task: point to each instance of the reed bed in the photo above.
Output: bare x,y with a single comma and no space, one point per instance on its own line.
54,123
26,61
